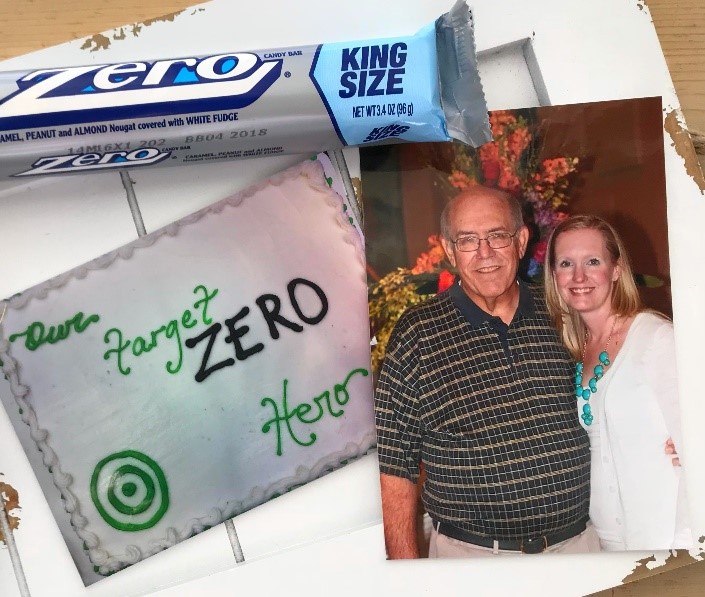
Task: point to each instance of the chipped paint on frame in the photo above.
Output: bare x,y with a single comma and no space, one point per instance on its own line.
684,147
10,502
101,41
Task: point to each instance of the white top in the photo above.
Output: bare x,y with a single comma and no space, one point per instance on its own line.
637,499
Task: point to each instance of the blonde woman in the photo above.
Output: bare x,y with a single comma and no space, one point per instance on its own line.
626,387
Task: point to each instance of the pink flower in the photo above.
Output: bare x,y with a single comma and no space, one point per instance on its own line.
540,250
445,280
543,217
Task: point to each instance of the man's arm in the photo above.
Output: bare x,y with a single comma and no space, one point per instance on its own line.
399,503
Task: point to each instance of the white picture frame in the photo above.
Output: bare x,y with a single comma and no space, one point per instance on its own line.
544,52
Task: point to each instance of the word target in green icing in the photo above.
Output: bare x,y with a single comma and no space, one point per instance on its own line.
129,491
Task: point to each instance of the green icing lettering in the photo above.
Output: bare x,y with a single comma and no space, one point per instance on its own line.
326,397
170,331
139,346
283,415
204,301
186,320
36,333
121,346
156,333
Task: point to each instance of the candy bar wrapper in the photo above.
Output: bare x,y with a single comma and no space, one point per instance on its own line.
236,105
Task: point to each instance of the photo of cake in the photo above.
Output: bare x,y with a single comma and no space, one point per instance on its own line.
198,371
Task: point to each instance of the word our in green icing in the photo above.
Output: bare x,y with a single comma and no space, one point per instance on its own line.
171,331
270,306
130,491
37,333
306,412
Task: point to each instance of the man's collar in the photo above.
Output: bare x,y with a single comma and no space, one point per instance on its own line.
476,316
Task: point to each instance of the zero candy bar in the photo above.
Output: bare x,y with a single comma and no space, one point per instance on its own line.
246,104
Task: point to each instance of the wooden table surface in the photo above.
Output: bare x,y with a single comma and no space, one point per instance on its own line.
30,25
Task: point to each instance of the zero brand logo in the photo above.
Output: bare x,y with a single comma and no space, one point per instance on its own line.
95,161
129,491
54,96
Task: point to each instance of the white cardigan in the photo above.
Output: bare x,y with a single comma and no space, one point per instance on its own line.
637,498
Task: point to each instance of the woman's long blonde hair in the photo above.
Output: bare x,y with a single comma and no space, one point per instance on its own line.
626,301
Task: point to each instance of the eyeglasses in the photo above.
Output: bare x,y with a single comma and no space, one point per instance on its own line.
496,240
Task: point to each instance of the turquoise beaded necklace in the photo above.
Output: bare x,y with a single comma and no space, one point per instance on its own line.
599,371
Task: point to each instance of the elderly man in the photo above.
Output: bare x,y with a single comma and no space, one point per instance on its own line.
477,386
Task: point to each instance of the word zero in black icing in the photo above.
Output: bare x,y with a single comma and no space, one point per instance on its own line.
270,307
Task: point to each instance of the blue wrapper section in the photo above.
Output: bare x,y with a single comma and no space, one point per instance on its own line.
375,91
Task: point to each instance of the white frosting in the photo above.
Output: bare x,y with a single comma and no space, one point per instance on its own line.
207,437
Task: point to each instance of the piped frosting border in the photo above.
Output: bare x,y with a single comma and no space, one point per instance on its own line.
104,562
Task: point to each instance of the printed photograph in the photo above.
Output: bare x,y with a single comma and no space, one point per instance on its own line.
526,395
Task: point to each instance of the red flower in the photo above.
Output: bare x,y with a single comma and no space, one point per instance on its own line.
445,280
489,152
490,170
517,142
509,182
540,250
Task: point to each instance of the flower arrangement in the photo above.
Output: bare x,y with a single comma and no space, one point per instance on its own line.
402,288
510,163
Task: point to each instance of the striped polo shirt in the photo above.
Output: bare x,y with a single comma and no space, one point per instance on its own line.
489,409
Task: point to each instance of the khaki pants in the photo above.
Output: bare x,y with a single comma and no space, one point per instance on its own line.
447,547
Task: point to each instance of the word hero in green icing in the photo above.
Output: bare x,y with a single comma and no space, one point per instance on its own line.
37,333
307,413
169,332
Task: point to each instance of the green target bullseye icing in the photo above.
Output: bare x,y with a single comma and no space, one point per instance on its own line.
125,486
129,489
